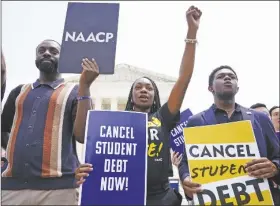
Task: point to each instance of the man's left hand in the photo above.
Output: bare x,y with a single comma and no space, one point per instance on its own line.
90,72
261,168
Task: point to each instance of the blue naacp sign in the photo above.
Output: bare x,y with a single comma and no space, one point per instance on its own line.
90,31
116,145
176,135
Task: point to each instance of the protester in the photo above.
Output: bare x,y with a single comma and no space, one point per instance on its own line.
44,120
223,84
144,97
260,107
176,159
274,114
3,88
3,75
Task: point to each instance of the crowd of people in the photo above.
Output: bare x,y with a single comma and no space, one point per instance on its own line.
42,121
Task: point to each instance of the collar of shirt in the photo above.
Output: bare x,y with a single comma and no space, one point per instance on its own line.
54,84
216,109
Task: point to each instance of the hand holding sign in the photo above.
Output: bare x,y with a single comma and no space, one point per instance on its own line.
82,172
90,72
261,168
176,158
190,187
193,17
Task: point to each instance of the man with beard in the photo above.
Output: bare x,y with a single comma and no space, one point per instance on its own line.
223,84
40,124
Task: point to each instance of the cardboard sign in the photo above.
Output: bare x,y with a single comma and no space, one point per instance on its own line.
116,146
217,155
90,31
177,140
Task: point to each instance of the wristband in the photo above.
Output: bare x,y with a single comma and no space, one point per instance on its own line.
191,41
83,97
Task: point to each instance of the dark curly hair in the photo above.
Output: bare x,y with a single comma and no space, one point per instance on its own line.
212,75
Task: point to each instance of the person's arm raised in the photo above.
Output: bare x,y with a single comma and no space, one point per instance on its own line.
90,73
178,92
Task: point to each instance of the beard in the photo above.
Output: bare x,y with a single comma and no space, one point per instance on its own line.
226,95
46,65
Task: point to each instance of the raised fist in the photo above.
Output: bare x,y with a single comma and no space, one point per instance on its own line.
193,15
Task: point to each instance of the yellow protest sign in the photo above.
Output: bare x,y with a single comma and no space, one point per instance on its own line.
217,155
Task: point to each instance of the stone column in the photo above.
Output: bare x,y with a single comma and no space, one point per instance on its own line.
114,104
98,102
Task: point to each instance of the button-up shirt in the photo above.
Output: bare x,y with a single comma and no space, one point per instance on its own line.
222,116
41,150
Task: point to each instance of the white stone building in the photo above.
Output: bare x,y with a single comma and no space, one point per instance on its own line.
110,92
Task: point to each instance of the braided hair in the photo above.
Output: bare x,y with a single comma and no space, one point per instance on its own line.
156,104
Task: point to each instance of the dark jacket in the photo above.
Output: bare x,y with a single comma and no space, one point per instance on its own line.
265,135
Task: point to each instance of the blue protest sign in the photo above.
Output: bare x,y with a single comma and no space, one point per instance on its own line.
116,146
90,31
177,140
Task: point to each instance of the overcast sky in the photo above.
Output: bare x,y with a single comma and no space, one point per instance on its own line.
244,35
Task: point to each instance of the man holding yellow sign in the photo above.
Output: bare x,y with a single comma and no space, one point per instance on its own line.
229,159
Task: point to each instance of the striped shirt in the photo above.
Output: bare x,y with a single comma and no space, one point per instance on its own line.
41,149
